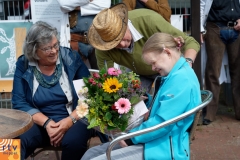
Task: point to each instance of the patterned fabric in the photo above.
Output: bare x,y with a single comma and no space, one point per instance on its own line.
56,76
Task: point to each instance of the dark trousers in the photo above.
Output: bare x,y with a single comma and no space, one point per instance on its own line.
74,142
215,48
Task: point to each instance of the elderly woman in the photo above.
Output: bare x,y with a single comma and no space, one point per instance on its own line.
43,87
179,92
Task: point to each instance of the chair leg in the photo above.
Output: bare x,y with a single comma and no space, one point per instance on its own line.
194,126
57,155
32,156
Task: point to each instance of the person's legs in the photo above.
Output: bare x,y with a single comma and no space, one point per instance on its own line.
96,151
74,142
130,152
35,137
233,51
215,49
99,152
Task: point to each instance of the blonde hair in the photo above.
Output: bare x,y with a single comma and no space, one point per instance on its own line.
160,41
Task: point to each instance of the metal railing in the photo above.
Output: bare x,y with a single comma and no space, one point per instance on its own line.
206,99
15,10
12,9
5,100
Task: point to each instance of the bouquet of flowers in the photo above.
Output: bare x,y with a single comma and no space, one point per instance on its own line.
107,100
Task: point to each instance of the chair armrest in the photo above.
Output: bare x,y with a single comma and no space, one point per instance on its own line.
206,99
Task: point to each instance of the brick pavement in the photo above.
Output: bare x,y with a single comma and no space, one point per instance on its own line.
218,141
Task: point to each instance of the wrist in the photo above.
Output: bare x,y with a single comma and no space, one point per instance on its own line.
189,60
46,122
74,120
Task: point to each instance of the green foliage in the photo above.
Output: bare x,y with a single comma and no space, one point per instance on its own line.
102,110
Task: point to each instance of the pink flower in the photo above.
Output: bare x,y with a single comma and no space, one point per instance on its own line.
123,105
114,71
90,80
96,75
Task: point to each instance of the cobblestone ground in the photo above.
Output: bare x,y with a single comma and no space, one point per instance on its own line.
218,141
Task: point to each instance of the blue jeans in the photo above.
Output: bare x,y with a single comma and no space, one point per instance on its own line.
228,35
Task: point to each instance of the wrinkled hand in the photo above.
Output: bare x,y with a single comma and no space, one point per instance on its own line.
145,1
122,143
58,130
143,98
77,9
146,115
201,38
51,130
237,27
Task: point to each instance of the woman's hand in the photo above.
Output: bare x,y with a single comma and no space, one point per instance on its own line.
51,130
59,129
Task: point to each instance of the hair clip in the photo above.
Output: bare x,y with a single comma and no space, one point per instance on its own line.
163,46
179,44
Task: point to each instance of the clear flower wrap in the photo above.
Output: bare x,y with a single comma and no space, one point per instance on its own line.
116,132
110,101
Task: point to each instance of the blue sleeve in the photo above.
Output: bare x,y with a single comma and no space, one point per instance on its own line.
149,100
172,100
21,90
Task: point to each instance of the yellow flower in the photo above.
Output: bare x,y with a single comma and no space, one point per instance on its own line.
92,110
111,85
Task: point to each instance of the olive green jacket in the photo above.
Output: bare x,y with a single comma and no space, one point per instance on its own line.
147,22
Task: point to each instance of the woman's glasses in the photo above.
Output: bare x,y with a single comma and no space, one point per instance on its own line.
48,49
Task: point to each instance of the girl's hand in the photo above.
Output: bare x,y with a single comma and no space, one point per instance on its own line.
122,143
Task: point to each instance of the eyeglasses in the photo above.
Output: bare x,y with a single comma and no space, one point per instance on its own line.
48,50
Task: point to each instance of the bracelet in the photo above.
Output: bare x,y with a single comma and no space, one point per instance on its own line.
46,122
189,60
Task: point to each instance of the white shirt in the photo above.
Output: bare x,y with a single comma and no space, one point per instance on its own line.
87,8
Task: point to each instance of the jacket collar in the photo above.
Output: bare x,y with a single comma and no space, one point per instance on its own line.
179,64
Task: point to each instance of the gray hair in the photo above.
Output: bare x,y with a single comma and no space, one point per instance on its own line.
40,33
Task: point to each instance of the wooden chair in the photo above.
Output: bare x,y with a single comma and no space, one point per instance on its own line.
206,99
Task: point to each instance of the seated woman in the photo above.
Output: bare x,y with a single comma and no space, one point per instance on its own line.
43,87
179,92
